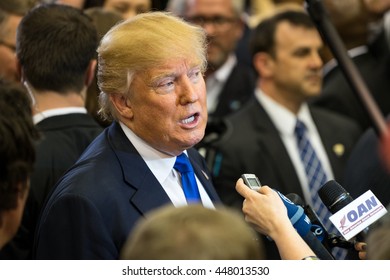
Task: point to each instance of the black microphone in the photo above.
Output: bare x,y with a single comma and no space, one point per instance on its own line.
335,197
329,240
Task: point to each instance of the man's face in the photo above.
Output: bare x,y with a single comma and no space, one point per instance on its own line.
222,26
8,69
168,105
297,63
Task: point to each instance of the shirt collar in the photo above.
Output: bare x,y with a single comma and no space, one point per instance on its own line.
58,112
283,119
224,71
159,163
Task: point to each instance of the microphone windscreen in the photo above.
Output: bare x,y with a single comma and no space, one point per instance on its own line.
334,196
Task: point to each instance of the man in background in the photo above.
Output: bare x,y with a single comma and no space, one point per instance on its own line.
268,136
56,47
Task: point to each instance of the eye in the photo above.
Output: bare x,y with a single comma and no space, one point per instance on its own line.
165,86
194,75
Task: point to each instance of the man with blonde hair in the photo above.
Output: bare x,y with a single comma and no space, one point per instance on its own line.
150,73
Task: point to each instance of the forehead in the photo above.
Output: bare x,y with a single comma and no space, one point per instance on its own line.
171,67
210,7
291,36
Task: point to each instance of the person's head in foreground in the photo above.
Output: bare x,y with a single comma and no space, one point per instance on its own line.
192,232
17,155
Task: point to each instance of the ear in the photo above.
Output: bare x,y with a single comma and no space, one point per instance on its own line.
240,28
90,74
122,105
264,64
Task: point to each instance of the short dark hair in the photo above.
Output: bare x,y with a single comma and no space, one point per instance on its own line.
55,44
263,36
18,135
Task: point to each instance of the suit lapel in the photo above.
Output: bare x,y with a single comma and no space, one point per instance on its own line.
148,193
271,144
139,177
205,178
330,141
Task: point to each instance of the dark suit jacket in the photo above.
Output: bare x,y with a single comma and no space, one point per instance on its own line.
96,204
365,169
64,138
252,145
374,67
238,89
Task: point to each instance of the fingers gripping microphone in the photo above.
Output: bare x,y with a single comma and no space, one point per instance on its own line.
303,225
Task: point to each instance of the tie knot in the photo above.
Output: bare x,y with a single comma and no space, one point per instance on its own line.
300,128
183,164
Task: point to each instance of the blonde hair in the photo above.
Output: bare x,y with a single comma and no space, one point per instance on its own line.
195,233
140,43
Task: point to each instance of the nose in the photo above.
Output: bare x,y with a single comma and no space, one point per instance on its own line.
316,60
187,93
209,28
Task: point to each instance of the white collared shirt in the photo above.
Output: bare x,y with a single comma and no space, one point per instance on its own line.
331,64
161,165
58,112
217,80
285,122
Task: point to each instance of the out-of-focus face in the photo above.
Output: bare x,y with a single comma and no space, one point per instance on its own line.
8,69
11,219
222,25
168,105
128,8
297,63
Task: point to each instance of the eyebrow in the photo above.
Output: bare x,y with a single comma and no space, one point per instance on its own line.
172,74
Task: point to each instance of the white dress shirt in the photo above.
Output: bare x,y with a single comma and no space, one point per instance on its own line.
285,121
216,81
161,165
58,112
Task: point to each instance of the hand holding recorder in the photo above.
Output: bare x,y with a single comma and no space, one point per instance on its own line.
265,210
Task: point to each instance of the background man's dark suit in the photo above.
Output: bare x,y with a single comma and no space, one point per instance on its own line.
115,201
365,169
374,67
238,89
252,145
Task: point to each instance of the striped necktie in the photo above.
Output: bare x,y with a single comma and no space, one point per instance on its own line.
316,178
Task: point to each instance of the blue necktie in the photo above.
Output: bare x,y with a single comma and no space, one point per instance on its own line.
188,180
316,178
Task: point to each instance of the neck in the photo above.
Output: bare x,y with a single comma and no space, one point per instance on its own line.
47,100
290,101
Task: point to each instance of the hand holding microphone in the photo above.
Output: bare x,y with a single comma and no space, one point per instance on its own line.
265,210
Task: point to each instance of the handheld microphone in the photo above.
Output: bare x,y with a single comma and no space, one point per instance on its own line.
329,240
298,219
335,197
317,228
303,226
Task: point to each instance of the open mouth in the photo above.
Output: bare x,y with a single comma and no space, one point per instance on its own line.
190,119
